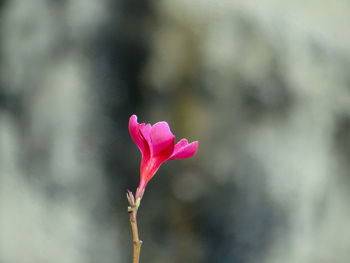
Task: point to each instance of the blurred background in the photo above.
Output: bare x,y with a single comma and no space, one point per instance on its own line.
264,86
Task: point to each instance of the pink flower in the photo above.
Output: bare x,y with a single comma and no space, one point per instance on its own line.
156,144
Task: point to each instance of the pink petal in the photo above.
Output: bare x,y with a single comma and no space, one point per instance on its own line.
135,133
145,130
149,170
145,134
180,144
162,140
184,150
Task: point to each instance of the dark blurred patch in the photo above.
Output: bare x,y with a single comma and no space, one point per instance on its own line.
237,221
135,9
266,90
271,96
2,2
342,134
120,52
11,103
213,218
342,143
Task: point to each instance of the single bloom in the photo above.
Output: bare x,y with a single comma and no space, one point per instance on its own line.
157,145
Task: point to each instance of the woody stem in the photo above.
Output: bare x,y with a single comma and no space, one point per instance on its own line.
132,209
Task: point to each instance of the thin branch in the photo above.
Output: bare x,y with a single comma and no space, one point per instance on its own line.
132,209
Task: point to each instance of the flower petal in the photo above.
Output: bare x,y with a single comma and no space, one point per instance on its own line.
184,150
134,129
145,130
162,140
180,145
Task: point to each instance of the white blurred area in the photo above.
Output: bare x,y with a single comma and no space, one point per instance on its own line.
50,174
263,85
293,59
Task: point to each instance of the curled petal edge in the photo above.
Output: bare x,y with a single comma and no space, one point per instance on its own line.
134,129
183,151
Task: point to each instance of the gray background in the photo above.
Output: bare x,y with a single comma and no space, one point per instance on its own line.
264,86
